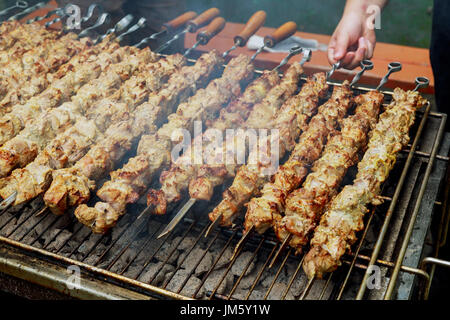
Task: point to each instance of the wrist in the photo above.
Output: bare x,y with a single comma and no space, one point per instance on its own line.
359,7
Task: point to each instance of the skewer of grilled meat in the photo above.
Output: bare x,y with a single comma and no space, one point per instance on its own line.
15,31
23,37
22,149
344,216
109,44
265,210
175,180
304,206
154,151
210,176
71,187
68,147
8,26
249,178
59,91
23,78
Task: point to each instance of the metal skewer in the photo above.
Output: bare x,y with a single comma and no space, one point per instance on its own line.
104,18
169,27
18,4
255,22
365,65
187,206
294,51
334,67
204,36
307,53
28,11
119,27
421,82
61,14
142,22
392,67
7,202
57,11
192,26
282,33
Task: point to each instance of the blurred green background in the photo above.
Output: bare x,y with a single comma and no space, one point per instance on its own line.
406,22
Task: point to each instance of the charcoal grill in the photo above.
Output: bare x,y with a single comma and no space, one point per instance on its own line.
131,263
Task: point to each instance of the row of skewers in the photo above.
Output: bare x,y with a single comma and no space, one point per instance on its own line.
92,103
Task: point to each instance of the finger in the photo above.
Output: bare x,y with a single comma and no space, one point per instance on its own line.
341,47
347,60
360,55
370,49
331,49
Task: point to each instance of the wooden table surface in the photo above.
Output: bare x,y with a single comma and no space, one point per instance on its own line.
415,61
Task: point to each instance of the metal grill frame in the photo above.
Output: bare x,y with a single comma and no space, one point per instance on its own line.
360,261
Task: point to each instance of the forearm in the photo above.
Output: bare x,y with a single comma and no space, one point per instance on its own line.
360,6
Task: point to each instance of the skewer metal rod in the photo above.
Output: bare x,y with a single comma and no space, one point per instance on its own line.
282,247
242,242
421,82
28,11
18,4
335,67
174,222
192,201
57,11
206,35
139,25
104,18
192,26
392,67
169,27
119,27
255,22
365,65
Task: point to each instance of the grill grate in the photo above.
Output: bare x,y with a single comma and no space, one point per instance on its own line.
185,264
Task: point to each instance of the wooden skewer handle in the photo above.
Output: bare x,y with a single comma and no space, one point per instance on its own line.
179,21
213,28
254,23
202,19
283,32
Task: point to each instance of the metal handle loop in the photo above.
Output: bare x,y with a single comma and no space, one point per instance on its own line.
292,52
365,65
335,67
140,24
19,4
421,82
119,27
392,67
104,18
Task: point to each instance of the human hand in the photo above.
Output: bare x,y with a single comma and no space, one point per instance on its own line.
352,41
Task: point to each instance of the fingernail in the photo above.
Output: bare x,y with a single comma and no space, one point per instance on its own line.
338,54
